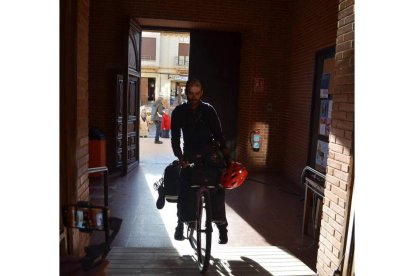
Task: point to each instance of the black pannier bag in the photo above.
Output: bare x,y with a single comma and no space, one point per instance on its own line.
208,176
208,167
172,181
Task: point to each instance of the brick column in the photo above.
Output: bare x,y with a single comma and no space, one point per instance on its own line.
82,122
74,114
339,176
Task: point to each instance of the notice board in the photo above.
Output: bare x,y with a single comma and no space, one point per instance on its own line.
321,112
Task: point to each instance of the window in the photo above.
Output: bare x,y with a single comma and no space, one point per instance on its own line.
148,51
183,54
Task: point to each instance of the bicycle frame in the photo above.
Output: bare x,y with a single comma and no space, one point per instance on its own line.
203,229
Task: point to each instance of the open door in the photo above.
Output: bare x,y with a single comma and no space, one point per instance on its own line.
215,61
128,102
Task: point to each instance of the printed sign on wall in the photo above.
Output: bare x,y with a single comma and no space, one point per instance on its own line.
322,153
258,84
325,117
326,77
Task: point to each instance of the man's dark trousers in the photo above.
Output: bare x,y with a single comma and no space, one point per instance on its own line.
157,130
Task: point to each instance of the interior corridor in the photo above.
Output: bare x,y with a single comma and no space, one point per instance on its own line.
264,215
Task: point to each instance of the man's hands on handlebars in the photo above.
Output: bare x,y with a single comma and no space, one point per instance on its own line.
183,163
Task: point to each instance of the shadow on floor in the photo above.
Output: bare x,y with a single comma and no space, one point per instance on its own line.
268,260
265,211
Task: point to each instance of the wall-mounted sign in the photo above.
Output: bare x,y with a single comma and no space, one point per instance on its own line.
322,105
321,153
177,77
325,117
326,77
258,84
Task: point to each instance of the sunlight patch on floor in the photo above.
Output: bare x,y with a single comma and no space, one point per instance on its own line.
261,257
168,215
169,218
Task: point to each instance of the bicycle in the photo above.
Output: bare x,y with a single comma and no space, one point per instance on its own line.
199,233
208,176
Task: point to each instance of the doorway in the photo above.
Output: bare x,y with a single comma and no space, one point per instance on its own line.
164,72
215,61
169,58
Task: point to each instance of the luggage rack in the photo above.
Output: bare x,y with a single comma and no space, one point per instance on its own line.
96,253
314,182
106,201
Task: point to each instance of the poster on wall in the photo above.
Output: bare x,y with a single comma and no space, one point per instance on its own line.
258,85
329,119
324,91
323,117
322,153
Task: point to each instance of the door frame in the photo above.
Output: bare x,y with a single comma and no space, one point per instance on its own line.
133,28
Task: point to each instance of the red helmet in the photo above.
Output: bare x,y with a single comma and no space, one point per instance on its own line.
234,175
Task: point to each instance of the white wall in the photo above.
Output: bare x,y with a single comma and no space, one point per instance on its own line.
166,53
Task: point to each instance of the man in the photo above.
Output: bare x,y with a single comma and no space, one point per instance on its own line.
157,117
201,127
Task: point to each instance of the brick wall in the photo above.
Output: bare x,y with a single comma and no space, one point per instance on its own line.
105,61
313,28
264,30
80,240
279,41
339,177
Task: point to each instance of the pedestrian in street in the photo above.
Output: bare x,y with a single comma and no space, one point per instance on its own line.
143,123
166,124
157,117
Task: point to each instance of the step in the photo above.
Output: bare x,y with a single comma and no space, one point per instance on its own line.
261,260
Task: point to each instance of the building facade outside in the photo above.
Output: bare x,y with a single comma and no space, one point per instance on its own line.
164,65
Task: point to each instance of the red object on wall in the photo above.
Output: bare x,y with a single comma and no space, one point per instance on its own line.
97,156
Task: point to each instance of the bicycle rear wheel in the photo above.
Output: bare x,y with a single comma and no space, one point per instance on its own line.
204,229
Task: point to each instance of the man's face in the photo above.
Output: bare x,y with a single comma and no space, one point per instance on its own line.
194,95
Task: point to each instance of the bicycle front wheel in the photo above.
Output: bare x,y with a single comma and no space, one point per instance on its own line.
204,229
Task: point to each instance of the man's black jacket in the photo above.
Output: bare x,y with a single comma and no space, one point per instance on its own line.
199,128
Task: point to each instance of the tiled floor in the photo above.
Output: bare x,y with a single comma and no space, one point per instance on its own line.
225,260
264,211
